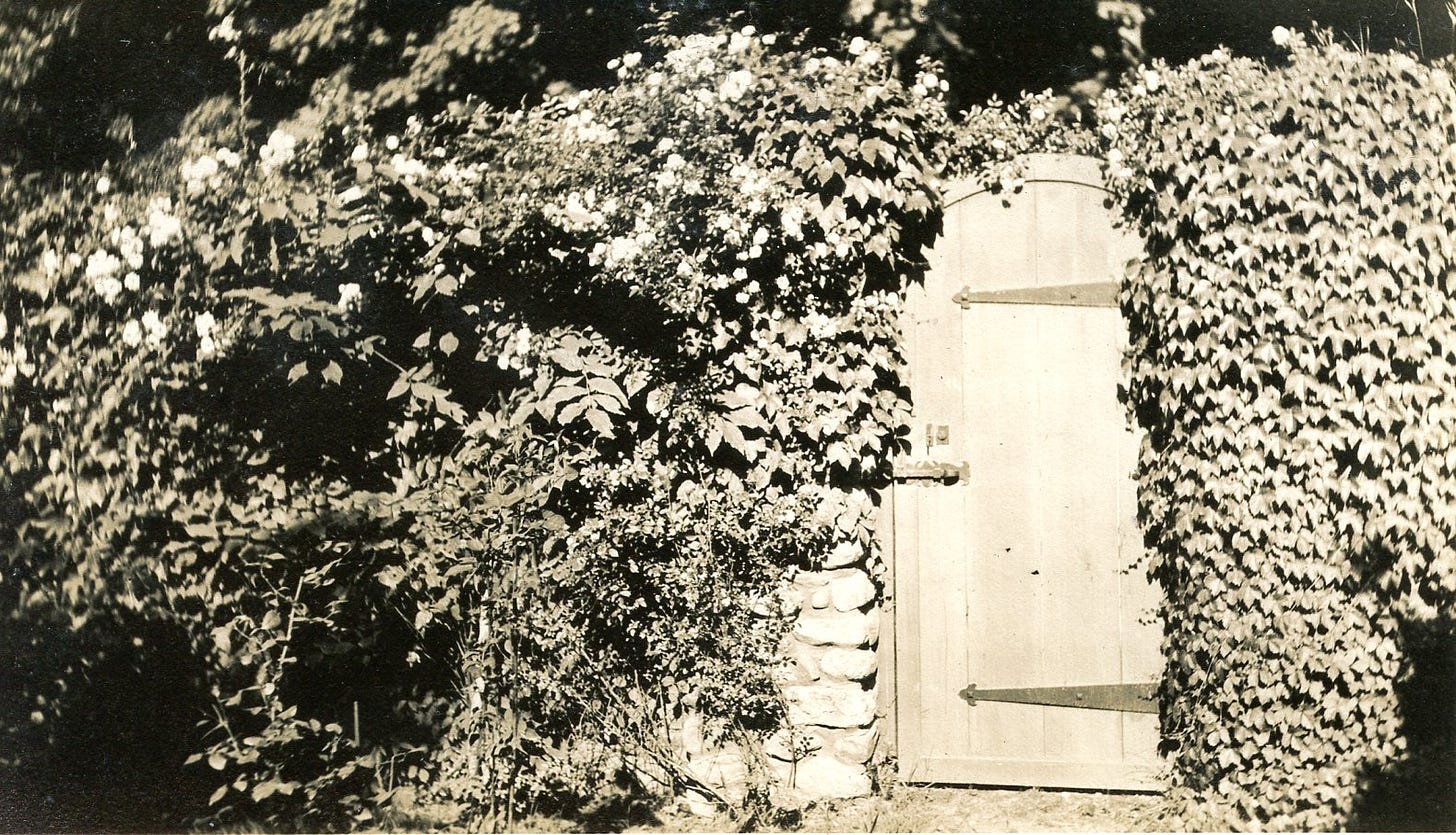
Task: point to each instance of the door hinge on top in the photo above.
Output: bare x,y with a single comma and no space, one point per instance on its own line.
1128,698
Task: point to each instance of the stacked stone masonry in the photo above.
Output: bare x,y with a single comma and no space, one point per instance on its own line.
827,678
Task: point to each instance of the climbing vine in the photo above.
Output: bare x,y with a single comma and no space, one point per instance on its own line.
1291,363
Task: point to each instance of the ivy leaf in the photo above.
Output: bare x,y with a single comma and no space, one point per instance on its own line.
448,344
332,373
297,372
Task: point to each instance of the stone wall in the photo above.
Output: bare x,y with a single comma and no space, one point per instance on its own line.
827,678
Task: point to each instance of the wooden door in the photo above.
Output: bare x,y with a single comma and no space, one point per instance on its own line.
1019,574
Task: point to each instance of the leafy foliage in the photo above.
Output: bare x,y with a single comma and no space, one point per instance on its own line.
1289,362
498,432
1291,357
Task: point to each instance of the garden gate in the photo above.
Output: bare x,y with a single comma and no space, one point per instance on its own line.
1024,646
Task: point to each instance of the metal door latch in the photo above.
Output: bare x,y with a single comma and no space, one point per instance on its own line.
931,471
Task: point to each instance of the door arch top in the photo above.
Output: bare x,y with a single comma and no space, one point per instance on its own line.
1040,167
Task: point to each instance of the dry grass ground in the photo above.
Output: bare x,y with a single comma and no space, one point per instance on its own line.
922,809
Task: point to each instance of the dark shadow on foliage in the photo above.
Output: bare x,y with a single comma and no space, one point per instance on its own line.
1419,792
106,754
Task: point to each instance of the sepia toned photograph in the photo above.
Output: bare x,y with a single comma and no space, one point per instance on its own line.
654,416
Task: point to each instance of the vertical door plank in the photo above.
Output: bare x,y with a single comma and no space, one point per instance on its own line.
909,714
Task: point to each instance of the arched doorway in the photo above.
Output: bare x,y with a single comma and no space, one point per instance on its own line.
1024,646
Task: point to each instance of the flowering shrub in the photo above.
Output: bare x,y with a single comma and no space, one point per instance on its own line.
504,430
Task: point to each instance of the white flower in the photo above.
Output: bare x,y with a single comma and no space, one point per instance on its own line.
279,149
733,87
197,173
132,334
132,282
162,226
103,185
156,331
870,56
1038,113
229,157
792,220
101,269
102,264
204,324
360,153
998,144
108,289
858,46
1114,157
349,296
51,262
631,60
7,375
204,167
770,39
1281,36
206,347
391,142
1152,80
